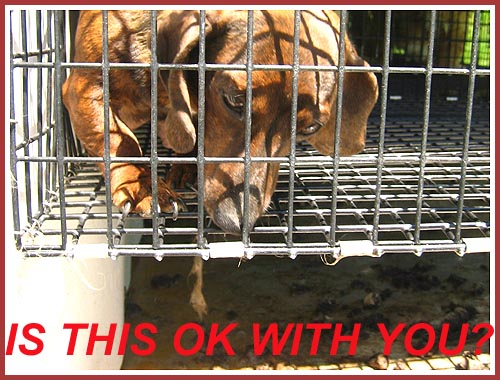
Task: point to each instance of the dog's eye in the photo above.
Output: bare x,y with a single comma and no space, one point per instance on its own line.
310,130
235,103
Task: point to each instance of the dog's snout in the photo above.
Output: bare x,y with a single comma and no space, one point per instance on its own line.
228,214
228,217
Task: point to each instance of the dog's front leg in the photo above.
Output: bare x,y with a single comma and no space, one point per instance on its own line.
129,183
197,299
183,175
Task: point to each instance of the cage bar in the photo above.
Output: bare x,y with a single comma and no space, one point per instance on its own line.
338,120
59,127
154,131
425,126
107,140
467,130
383,116
202,67
248,132
13,144
293,126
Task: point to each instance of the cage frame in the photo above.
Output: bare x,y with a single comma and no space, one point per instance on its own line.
65,155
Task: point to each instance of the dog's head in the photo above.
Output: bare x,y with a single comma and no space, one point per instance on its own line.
271,101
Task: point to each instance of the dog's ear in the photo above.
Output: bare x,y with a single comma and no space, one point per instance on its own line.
359,96
178,36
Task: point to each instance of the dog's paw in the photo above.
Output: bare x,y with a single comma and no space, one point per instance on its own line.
198,303
138,194
182,176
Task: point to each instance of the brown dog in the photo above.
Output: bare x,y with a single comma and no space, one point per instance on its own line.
178,39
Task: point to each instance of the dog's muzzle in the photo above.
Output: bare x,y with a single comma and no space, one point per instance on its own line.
229,212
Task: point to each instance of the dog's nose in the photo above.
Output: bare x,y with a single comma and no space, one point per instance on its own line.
229,215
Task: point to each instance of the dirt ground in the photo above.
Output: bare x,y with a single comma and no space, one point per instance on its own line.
396,288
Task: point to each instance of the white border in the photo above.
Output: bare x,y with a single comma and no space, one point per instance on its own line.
8,8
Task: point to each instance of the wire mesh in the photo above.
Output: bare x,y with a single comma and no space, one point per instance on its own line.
403,198
86,198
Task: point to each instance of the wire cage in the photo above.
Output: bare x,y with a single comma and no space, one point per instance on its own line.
409,44
421,184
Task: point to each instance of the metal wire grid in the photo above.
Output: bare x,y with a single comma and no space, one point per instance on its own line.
409,37
86,201
419,186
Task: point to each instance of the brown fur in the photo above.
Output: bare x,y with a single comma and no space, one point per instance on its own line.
178,33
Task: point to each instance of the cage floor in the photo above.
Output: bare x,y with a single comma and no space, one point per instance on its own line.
356,193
